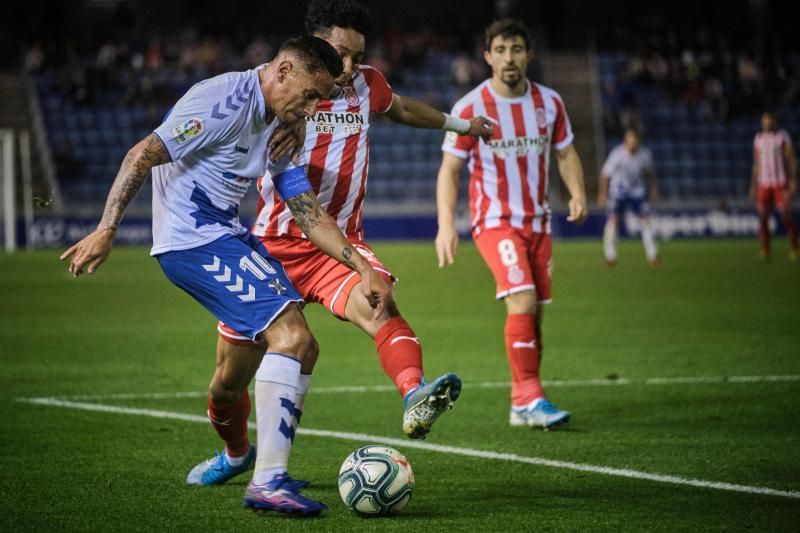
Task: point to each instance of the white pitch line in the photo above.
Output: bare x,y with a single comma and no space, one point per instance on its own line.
360,389
452,450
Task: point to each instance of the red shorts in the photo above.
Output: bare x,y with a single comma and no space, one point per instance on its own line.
317,277
769,196
519,260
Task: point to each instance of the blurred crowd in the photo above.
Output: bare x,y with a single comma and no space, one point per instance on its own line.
156,71
721,76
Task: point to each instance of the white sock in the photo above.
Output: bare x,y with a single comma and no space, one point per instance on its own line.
235,461
610,240
276,388
649,241
300,398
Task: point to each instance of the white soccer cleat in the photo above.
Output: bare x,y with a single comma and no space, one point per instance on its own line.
538,414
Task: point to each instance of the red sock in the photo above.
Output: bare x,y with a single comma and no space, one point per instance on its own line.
524,358
400,354
791,229
763,234
230,422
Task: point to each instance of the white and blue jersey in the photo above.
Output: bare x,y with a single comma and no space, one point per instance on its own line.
626,172
216,136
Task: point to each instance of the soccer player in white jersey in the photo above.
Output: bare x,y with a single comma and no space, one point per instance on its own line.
337,151
204,156
774,181
625,180
508,203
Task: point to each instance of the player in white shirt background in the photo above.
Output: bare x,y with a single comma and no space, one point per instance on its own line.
627,179
210,148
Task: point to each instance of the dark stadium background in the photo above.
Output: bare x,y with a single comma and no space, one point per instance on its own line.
87,79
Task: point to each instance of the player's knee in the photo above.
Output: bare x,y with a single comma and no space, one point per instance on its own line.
296,341
523,302
220,394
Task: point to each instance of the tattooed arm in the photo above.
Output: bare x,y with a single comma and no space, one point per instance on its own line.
322,230
93,249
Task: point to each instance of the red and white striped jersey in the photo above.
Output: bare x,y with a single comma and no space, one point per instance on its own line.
337,158
508,175
768,149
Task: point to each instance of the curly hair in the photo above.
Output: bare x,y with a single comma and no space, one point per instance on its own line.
323,15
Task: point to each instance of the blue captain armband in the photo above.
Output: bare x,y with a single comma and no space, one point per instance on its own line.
291,183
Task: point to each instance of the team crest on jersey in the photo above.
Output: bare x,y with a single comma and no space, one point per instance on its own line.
350,95
541,118
191,128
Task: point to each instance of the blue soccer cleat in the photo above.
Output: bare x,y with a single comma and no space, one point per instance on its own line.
218,470
282,495
427,402
539,414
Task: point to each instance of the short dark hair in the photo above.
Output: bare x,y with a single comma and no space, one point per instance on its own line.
323,15
506,28
316,53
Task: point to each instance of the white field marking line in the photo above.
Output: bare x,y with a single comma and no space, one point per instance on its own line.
452,450
479,385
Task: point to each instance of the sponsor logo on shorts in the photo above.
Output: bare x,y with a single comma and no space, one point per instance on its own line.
189,129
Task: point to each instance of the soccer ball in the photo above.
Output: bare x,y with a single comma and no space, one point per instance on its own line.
376,480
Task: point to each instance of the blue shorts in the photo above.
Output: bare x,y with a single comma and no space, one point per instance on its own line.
235,279
637,204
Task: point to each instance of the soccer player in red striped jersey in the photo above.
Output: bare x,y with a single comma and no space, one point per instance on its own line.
774,180
337,162
508,203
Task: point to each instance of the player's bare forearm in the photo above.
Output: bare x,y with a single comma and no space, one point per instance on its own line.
412,112
571,170
652,184
148,153
446,242
91,251
322,230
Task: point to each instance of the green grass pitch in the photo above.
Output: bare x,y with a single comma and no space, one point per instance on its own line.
711,310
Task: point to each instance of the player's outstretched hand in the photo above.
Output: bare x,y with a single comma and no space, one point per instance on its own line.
481,127
446,246
90,251
377,292
288,138
577,210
